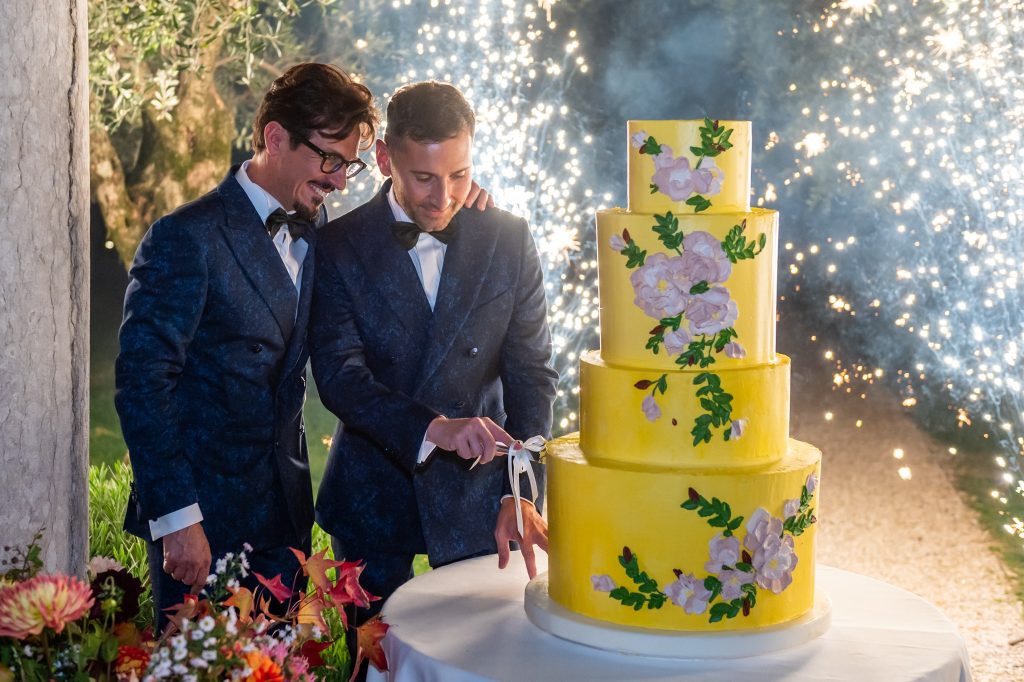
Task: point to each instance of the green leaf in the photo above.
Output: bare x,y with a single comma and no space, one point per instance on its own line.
654,188
651,146
697,151
700,287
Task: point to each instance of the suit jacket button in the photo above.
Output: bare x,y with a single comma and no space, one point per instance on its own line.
256,348
459,405
473,351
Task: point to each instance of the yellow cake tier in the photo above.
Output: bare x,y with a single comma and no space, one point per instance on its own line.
635,300
673,169
595,513
616,428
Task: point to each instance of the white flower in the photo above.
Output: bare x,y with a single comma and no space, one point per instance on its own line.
722,551
207,624
102,564
197,635
180,654
734,350
651,409
661,287
246,546
199,663
737,428
602,583
811,484
639,139
676,341
179,669
221,565
211,579
210,655
711,312
704,259
790,508
617,243
689,593
190,678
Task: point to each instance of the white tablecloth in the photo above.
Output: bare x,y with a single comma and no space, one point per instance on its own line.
465,622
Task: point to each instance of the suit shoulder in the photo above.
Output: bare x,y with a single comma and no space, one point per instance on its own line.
350,223
193,216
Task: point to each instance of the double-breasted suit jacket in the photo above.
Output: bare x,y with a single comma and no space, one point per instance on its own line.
386,365
211,376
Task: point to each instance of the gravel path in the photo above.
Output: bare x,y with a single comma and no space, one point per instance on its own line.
918,534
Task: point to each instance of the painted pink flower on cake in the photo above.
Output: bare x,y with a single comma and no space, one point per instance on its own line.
661,287
790,508
704,259
811,484
734,350
689,593
722,551
732,583
711,312
677,341
773,555
736,428
638,139
617,243
602,583
675,178
651,409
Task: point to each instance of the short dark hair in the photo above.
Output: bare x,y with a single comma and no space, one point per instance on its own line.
322,98
429,111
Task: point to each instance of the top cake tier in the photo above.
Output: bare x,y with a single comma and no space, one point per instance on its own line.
689,166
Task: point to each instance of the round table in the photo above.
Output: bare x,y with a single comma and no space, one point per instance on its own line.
465,622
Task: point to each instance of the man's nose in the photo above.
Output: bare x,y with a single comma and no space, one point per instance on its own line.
442,194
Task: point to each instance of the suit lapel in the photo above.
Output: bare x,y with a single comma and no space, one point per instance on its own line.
298,341
388,266
257,256
466,263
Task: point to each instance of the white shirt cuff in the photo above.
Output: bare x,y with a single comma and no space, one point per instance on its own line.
509,497
425,449
175,521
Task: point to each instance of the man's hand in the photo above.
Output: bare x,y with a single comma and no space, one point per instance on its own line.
187,556
535,532
479,197
470,438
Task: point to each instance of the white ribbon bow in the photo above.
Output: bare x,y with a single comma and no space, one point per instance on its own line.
519,462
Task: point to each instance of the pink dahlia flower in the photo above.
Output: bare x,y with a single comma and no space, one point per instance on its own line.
45,601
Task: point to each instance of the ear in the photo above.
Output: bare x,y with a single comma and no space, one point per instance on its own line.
276,138
383,158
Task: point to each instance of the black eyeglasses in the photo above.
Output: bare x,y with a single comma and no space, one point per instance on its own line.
332,163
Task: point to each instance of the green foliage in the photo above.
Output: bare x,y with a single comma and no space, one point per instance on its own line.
725,609
650,146
667,229
717,512
20,564
649,593
336,656
139,51
108,498
714,139
737,247
804,517
699,351
717,405
660,384
699,203
635,256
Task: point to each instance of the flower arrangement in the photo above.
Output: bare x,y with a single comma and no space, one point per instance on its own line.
56,627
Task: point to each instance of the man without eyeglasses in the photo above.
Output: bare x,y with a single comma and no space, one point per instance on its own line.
429,341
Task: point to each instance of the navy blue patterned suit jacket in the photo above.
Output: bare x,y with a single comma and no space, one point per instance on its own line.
211,376
387,365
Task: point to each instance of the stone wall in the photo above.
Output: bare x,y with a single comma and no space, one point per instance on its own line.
44,278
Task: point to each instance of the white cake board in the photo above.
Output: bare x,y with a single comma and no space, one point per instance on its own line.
555,619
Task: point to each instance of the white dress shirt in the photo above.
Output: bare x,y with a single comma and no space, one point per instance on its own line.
428,259
293,253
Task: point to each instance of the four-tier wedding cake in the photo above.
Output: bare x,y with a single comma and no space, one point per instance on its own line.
683,507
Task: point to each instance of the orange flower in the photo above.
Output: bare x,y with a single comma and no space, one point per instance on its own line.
50,601
263,667
131,660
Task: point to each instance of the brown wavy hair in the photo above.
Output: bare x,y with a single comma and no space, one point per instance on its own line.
429,111
321,98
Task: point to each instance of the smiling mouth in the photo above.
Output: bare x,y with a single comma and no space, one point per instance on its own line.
322,189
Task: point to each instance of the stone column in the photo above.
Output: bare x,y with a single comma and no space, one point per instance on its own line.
44,278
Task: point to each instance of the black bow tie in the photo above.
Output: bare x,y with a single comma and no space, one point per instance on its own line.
408,233
297,227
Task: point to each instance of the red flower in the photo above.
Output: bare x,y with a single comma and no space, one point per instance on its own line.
50,601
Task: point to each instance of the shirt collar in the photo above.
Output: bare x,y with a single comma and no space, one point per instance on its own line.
396,208
261,199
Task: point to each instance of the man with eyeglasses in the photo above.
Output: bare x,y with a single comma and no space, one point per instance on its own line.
211,371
